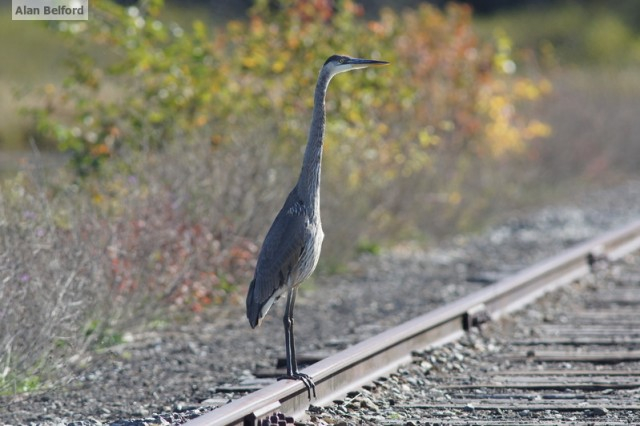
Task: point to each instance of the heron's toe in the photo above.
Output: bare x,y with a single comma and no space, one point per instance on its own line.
304,378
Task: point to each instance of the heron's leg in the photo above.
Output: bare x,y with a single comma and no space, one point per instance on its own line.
290,348
288,332
291,299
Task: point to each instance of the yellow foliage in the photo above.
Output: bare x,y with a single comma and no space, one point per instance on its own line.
545,86
278,66
525,89
448,95
537,129
201,120
454,198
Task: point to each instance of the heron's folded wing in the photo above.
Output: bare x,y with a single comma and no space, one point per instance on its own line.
281,250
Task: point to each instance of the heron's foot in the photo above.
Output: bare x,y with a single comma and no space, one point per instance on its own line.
304,378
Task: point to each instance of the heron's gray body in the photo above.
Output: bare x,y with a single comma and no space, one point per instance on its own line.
289,255
291,249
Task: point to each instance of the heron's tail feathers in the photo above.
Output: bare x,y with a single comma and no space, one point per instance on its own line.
253,307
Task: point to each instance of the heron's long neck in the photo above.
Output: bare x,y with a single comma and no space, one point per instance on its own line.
309,181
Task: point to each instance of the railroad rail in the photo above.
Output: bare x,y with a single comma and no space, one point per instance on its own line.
386,352
570,358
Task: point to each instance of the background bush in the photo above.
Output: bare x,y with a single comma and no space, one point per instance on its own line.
184,142
447,99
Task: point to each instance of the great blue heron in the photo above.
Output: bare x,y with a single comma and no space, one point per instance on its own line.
291,249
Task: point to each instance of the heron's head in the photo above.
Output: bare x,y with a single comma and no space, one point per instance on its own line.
338,63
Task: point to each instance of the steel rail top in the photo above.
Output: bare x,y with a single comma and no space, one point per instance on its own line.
381,354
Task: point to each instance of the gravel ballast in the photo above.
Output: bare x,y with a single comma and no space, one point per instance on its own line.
569,358
167,376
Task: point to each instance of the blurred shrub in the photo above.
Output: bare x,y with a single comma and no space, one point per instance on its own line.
51,276
610,40
76,271
449,98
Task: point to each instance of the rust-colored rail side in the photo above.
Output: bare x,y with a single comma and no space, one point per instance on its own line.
381,354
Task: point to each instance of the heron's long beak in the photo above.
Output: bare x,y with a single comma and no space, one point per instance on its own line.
362,63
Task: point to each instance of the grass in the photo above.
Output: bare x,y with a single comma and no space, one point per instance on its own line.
33,55
35,52
571,33
593,114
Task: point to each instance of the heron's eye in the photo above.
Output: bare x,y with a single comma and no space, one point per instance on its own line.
342,60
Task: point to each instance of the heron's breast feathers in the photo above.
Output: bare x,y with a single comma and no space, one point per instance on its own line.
310,254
